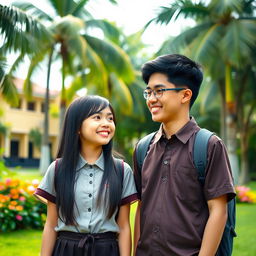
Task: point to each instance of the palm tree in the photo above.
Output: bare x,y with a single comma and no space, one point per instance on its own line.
89,60
20,33
221,40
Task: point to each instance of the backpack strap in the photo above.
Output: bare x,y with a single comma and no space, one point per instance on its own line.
119,164
200,152
142,149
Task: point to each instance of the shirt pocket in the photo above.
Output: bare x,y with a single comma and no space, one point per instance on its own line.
186,184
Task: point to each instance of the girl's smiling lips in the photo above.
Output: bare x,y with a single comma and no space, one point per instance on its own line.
104,133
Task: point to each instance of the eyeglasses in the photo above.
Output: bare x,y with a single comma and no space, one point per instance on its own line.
159,92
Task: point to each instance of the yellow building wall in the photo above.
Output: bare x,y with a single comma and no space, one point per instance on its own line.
22,121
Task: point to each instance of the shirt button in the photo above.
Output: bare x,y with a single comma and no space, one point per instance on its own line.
166,162
91,174
156,229
90,195
164,179
89,209
90,182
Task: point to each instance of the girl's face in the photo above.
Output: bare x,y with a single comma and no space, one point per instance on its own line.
98,129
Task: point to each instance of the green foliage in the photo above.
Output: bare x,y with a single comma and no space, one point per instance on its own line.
20,243
4,171
3,129
20,31
244,243
36,137
18,207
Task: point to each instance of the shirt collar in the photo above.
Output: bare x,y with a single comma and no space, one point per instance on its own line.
183,134
82,162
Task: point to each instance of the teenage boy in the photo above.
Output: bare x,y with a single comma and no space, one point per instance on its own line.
176,215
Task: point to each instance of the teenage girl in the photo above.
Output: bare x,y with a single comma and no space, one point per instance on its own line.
88,197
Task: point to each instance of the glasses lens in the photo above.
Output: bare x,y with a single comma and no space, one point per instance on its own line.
158,93
146,94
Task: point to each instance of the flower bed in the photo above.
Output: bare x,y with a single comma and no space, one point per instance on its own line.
18,207
245,195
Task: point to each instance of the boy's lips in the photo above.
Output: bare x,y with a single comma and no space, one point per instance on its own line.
155,109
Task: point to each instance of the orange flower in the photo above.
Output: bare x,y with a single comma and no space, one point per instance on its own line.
15,196
13,203
19,207
11,207
15,183
4,198
14,191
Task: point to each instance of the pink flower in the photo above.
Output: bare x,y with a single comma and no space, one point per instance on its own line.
22,198
19,217
8,181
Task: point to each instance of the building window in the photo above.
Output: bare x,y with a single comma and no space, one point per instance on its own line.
31,105
15,148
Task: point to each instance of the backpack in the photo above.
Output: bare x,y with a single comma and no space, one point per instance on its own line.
200,161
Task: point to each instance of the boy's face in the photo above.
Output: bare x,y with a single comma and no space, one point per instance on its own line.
167,107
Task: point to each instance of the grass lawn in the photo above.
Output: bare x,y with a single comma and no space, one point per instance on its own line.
20,243
26,174
27,242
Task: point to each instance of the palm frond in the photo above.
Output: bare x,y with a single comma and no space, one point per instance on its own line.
113,57
120,95
186,38
34,63
20,31
9,90
3,65
184,8
205,44
224,7
239,40
33,10
78,9
68,26
110,31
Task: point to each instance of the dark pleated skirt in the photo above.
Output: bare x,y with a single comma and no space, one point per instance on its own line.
83,244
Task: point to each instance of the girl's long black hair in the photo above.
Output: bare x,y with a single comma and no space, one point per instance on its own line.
68,152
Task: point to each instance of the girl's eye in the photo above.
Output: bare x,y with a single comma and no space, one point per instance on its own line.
97,117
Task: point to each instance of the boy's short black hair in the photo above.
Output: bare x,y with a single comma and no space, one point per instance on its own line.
181,71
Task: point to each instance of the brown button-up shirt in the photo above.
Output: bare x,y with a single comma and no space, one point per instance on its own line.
174,207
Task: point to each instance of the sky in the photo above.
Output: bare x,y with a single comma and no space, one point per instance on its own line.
130,15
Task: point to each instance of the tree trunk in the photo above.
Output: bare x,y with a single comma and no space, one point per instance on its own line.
63,102
231,123
223,112
244,175
232,146
45,148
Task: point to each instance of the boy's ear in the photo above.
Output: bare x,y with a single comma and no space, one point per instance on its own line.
187,95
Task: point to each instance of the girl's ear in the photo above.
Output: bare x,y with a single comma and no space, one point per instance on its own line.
187,95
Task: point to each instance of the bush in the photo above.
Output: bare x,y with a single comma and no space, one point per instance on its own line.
18,207
245,195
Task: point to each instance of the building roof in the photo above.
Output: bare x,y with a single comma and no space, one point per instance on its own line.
37,90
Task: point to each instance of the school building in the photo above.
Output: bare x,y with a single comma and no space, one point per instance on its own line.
18,148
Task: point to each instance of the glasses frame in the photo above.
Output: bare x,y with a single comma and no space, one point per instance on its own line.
147,96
